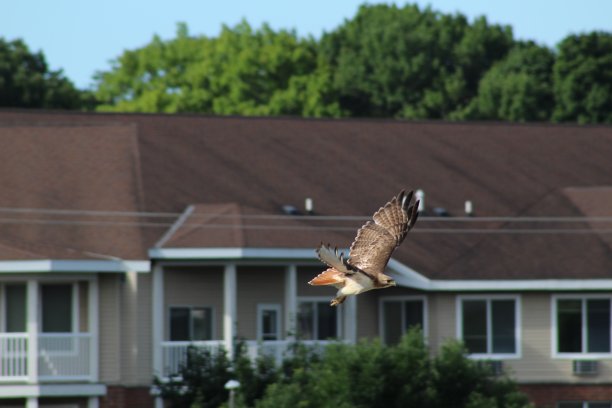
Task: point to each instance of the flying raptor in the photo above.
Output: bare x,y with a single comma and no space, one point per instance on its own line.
369,252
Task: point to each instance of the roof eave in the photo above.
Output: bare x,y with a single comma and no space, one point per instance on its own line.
403,274
74,265
230,253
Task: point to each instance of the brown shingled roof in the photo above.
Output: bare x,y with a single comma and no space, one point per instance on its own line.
244,167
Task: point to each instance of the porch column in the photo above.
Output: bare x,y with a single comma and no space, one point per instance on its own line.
229,307
350,319
290,302
93,402
158,318
32,402
94,333
32,328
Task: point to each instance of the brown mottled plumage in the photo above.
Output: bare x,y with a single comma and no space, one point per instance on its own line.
370,251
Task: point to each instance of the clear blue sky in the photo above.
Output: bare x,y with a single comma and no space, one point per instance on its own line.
82,36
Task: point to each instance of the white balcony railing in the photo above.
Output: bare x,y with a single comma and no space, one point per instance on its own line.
13,356
175,352
64,356
60,357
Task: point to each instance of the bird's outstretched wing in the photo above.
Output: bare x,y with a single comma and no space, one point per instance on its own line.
331,258
376,241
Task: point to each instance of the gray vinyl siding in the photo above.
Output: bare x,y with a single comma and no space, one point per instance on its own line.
367,316
194,286
144,363
256,285
110,328
536,362
441,319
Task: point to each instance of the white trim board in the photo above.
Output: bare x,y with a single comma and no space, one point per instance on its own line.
231,253
76,265
511,285
52,390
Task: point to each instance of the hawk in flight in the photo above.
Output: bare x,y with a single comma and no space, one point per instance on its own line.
369,252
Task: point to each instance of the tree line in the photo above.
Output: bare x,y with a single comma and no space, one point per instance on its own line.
386,62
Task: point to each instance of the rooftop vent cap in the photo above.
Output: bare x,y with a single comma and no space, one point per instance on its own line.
290,210
440,212
309,205
420,196
469,208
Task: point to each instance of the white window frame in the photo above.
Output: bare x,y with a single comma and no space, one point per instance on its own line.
409,298
261,307
583,297
191,307
325,299
517,324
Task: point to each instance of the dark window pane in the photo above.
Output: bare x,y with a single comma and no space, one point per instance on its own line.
56,308
327,321
503,322
598,325
15,308
569,325
570,405
475,325
599,405
392,315
413,310
305,321
269,324
179,324
202,323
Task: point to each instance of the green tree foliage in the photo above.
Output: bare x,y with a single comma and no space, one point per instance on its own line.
406,62
27,82
583,79
242,71
365,375
371,375
517,88
200,382
386,61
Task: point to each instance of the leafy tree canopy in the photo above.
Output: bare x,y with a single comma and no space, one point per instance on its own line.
583,79
406,62
242,71
517,88
368,375
386,61
27,82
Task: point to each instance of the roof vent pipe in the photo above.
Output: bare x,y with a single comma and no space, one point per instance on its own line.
419,195
469,208
309,205
290,210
